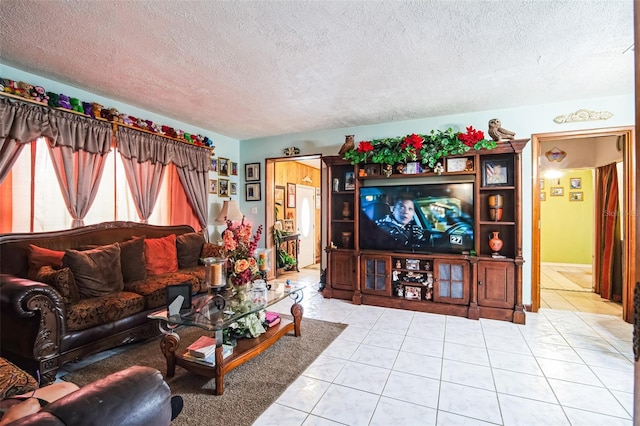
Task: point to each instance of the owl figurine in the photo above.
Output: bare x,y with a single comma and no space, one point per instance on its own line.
349,144
496,131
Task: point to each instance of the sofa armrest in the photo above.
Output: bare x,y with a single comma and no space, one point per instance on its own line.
135,396
32,321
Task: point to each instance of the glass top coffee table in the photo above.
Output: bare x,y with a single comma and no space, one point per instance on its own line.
214,313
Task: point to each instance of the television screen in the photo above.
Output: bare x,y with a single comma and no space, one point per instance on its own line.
418,218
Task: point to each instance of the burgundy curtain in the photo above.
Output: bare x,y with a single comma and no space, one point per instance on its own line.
20,123
78,154
608,242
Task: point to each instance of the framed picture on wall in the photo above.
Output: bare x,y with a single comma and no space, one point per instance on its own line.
252,172
291,195
557,191
234,169
575,183
278,199
214,164
213,186
223,166
223,187
543,196
252,192
541,183
576,196
234,188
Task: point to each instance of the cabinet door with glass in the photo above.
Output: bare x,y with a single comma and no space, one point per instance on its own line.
451,281
376,271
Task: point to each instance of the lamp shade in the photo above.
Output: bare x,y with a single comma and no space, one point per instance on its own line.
230,211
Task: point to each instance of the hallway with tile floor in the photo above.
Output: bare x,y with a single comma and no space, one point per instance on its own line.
396,367
558,290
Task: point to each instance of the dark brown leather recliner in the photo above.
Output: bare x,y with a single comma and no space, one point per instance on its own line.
132,397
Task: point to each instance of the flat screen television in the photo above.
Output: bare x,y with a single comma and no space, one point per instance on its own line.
417,218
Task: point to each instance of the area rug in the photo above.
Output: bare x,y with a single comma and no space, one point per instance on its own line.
248,390
582,279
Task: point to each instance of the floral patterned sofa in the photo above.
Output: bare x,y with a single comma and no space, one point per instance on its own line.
68,294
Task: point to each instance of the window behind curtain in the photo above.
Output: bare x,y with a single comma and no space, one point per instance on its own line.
113,201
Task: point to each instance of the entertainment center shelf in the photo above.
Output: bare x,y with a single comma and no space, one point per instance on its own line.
460,254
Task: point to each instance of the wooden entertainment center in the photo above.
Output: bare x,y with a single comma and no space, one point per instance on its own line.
479,283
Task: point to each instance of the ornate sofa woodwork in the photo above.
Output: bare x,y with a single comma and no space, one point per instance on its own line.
41,330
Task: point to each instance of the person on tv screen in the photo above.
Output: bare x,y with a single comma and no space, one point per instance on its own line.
401,226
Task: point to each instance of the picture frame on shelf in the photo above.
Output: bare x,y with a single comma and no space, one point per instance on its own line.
349,181
252,192
252,172
234,168
214,164
233,189
457,165
278,199
413,264
372,169
575,183
288,226
412,292
497,173
291,195
223,187
557,191
213,186
576,196
223,166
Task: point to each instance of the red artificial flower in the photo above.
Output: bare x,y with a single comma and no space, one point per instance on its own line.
365,146
413,141
471,137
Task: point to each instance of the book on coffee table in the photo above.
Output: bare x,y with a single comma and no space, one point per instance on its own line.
272,318
202,347
210,360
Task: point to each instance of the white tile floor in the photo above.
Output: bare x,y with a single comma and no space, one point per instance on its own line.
408,368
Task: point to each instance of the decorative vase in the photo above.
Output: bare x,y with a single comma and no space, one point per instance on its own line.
346,210
495,207
495,243
346,239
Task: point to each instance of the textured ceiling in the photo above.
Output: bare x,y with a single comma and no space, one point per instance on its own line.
248,69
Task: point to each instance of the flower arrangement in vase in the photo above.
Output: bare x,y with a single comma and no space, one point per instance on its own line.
240,245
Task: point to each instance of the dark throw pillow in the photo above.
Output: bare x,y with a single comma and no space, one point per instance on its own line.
132,260
97,271
189,247
62,280
211,250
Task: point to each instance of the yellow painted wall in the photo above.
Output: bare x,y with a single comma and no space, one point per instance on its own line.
567,227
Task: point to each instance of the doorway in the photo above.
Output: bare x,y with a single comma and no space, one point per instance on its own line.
286,177
305,219
626,139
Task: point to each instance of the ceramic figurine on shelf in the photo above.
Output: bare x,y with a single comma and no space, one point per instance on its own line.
496,131
438,169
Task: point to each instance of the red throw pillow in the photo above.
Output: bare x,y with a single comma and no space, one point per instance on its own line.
161,255
40,256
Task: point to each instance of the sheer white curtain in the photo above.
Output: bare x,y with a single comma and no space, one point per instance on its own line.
113,200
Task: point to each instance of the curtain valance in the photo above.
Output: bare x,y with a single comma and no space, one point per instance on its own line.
149,147
22,122
79,133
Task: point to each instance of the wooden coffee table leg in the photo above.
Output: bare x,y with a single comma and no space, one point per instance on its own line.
219,370
296,311
168,345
